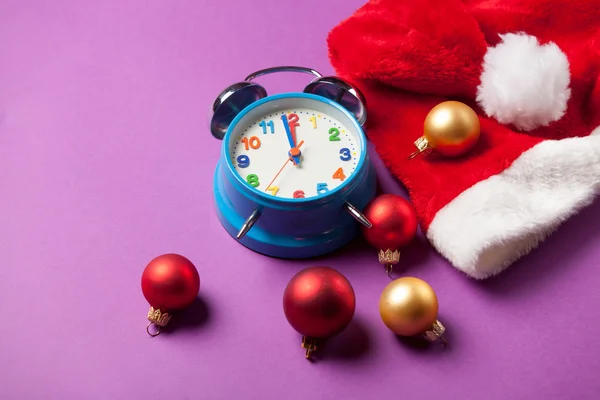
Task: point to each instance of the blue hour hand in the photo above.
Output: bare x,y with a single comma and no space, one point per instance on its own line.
294,151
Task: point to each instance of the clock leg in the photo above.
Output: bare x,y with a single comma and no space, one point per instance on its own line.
357,215
248,224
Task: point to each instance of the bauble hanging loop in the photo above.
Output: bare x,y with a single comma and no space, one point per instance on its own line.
393,225
170,282
451,129
319,303
409,307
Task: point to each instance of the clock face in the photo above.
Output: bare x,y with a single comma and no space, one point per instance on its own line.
295,148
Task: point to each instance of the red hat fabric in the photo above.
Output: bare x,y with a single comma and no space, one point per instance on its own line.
529,68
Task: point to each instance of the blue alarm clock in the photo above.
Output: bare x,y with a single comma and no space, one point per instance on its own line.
294,173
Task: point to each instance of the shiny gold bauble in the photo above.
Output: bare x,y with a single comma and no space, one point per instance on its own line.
408,306
451,128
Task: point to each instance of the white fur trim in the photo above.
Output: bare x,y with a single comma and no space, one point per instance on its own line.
498,220
524,83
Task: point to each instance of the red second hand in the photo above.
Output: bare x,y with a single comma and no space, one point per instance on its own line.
286,161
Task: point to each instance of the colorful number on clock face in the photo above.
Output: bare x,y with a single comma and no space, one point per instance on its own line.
260,152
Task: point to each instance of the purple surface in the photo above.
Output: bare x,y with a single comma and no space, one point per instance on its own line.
106,162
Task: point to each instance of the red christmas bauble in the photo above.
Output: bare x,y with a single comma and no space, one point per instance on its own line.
394,222
170,282
319,302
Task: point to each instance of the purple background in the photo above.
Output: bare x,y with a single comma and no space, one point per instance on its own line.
106,162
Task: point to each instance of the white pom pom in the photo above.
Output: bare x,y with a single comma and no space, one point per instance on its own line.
524,83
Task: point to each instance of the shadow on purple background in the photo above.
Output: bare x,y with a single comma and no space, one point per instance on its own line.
195,316
552,260
350,345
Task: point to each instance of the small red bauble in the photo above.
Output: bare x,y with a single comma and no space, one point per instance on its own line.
394,225
170,282
318,302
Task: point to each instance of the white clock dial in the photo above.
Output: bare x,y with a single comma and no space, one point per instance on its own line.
263,149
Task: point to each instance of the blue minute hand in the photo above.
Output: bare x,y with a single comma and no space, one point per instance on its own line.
294,151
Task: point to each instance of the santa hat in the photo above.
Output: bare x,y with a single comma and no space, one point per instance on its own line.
531,71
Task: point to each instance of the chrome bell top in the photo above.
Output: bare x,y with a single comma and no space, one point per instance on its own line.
240,95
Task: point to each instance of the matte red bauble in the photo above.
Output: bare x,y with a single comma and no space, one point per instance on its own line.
393,225
170,282
318,302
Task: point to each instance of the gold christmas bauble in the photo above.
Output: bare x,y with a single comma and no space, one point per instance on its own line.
408,306
451,128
